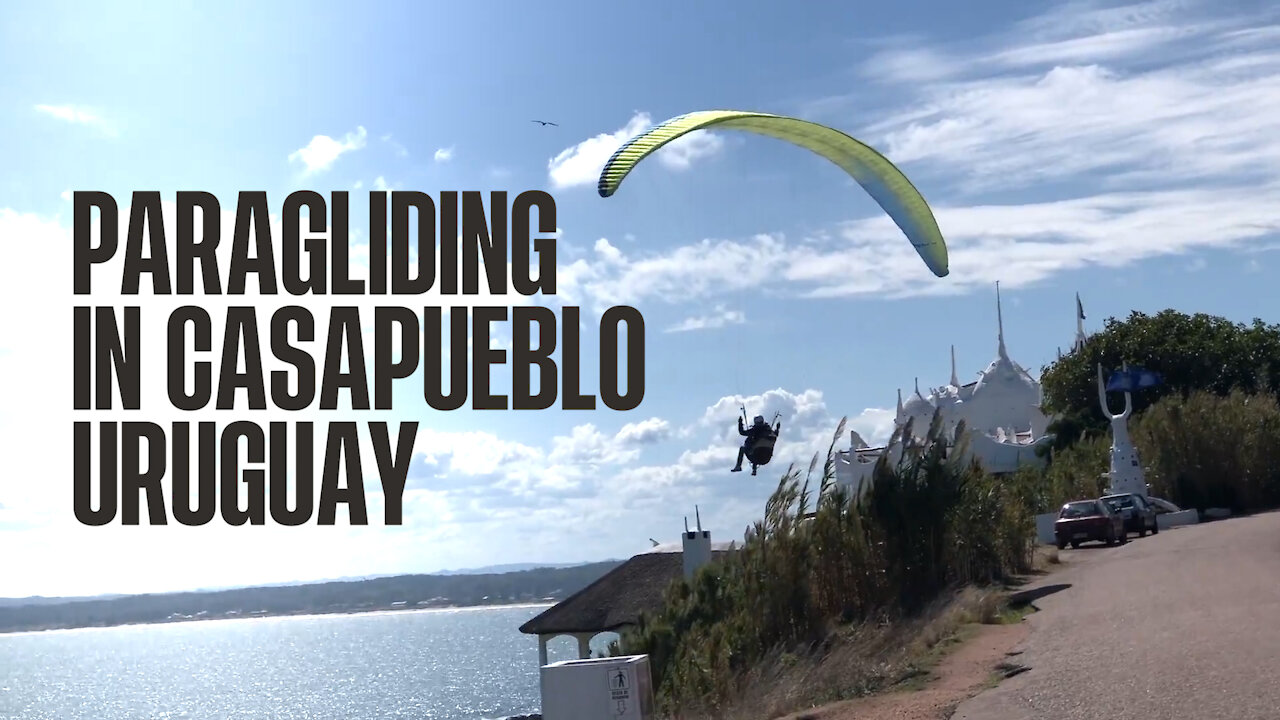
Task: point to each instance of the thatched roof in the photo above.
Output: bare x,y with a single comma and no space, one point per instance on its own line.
616,599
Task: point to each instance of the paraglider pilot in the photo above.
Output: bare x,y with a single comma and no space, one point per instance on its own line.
757,448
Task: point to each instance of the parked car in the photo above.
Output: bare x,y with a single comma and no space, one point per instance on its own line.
1139,515
1084,521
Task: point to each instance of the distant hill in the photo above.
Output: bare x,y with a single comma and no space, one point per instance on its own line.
486,570
459,588
510,567
40,600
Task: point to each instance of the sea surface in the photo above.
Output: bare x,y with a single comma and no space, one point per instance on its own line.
461,664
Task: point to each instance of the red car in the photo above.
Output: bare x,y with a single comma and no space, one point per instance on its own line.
1088,520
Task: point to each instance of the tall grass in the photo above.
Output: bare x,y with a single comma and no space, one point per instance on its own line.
1199,451
1207,450
820,557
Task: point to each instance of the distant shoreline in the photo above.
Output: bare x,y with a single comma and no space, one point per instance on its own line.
276,615
399,593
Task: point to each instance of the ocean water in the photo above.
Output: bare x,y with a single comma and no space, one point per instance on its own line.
463,664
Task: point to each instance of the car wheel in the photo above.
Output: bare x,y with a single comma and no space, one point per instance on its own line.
1111,538
1075,544
1142,531
1124,538
1062,545
1155,527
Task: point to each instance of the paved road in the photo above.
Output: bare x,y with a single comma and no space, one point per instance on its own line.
1184,624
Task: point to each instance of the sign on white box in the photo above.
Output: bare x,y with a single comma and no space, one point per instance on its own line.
616,688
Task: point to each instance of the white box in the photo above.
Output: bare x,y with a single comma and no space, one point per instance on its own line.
615,688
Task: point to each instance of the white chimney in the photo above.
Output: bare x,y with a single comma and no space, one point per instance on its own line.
697,546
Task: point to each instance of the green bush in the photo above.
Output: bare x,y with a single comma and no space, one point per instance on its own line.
1072,474
1200,450
819,558
1208,450
1197,352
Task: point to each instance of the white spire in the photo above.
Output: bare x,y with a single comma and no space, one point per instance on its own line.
1004,353
899,402
955,381
918,387
1080,337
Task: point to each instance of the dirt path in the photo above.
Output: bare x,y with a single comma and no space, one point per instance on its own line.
962,673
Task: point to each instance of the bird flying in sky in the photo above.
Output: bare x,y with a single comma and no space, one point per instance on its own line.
544,123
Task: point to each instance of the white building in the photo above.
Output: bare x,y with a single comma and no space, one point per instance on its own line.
1001,411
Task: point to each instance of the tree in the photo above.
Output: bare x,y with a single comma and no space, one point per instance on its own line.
1192,352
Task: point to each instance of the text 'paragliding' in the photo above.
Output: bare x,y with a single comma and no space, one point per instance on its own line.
243,348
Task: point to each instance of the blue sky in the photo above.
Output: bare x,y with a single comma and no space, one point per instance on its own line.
1128,153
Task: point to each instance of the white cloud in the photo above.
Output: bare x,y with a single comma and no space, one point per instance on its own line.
78,115
874,425
644,432
72,114
444,154
582,163
323,151
680,153
1155,97
510,487
719,317
401,150
909,64
1168,152
1018,244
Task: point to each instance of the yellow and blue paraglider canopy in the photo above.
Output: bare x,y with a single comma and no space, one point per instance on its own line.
880,178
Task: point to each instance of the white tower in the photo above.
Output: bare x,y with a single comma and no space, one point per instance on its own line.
1080,336
1126,471
697,546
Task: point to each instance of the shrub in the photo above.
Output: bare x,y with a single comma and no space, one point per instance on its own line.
1207,450
820,557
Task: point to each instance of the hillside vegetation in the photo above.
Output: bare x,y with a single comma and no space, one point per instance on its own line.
1208,436
822,572
820,560
1201,450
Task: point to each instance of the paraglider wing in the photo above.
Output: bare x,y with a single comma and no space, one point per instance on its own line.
880,178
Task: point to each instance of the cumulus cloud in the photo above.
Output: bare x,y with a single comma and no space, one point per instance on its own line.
644,432
444,154
507,486
582,163
873,425
323,151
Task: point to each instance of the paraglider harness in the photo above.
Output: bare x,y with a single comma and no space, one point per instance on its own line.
758,446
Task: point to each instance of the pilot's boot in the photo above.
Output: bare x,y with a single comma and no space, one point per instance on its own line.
738,467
